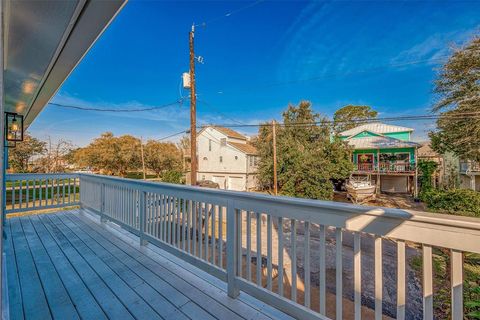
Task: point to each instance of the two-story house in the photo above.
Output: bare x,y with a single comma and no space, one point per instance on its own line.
227,158
385,152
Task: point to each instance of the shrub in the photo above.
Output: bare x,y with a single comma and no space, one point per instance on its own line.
172,176
455,201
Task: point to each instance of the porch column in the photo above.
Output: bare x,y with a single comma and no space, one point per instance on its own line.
472,182
415,183
2,161
378,172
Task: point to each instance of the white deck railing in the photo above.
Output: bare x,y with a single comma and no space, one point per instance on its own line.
226,233
31,191
254,241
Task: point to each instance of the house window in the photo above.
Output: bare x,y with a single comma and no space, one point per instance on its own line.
250,159
203,177
205,158
223,142
236,157
221,159
255,161
209,145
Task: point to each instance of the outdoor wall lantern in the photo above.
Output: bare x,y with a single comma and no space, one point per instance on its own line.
13,127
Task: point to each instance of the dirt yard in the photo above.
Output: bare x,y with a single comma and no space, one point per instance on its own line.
400,201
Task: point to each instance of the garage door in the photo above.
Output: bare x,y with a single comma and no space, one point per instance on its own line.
236,183
393,184
220,180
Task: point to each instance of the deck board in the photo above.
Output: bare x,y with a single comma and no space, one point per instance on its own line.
66,265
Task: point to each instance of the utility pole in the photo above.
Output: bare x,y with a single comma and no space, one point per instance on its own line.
274,134
193,113
143,158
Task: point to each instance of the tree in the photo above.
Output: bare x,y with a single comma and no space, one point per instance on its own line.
307,156
55,158
458,91
110,155
20,156
162,157
351,116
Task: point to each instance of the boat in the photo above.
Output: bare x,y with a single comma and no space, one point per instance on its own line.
360,189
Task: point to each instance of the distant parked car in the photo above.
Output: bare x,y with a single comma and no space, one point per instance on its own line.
208,184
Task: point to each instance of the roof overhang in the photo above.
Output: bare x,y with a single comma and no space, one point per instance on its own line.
43,43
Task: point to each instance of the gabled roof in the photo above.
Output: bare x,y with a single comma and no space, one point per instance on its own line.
380,142
244,147
375,127
226,131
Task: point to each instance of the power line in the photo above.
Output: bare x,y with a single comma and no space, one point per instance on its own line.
173,135
179,102
459,116
219,112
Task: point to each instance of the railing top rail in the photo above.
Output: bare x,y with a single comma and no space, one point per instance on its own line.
31,176
306,204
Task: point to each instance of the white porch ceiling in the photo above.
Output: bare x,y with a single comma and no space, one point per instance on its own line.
43,42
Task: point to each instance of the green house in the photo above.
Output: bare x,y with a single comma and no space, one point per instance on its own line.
385,152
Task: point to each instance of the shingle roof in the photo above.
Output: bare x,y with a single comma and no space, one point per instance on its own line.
244,147
375,127
380,142
230,133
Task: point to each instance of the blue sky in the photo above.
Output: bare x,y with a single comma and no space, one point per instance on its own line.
257,60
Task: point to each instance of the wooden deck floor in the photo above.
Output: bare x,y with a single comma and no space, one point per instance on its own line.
67,265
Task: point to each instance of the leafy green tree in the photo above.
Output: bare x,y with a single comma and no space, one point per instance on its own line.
20,156
162,157
110,155
351,116
307,156
458,90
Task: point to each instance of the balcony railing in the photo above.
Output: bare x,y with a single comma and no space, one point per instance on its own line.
254,242
469,166
27,192
385,167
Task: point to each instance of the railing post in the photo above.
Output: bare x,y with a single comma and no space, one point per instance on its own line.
142,213
102,203
232,240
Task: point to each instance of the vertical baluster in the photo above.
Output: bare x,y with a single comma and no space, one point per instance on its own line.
400,280
40,192
189,225
178,221
27,193
200,229
239,242
214,217
63,191
456,279
194,226
293,227
220,237
306,259
69,191
206,228
339,274
184,224
174,219
280,256
269,252
169,220
427,283
163,215
20,194
378,278
357,267
34,193
52,191
248,263
58,190
13,194
259,250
